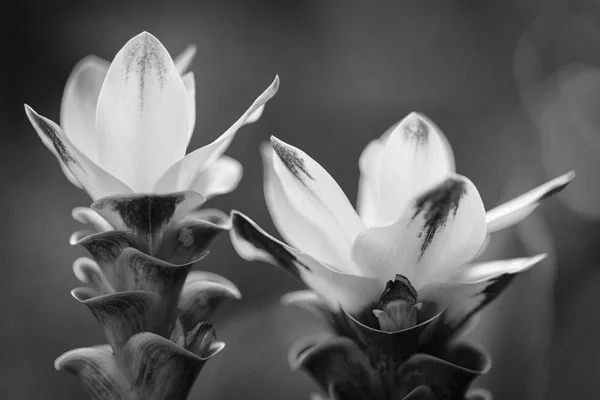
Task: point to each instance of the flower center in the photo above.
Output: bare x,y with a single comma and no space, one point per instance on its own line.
398,308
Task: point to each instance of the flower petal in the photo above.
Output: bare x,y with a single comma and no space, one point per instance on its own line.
79,102
369,183
340,366
220,177
414,158
190,87
519,208
200,299
123,314
183,60
86,215
88,271
441,230
147,216
92,178
471,290
142,117
353,293
152,359
322,241
182,173
98,371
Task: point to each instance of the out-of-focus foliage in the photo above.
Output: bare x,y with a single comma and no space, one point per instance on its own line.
348,70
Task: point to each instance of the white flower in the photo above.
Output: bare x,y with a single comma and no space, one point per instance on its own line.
416,218
126,126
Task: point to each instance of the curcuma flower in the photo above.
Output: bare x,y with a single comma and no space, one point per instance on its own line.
397,281
126,126
126,129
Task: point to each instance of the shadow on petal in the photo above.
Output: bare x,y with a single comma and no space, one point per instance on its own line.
140,271
391,346
105,248
447,378
339,366
187,239
123,314
420,393
147,216
200,299
160,368
98,371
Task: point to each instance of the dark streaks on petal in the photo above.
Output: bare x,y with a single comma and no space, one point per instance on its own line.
436,205
146,56
293,162
250,234
416,130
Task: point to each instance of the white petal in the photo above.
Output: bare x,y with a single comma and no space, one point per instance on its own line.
315,197
369,191
441,230
142,114
190,86
79,102
353,293
183,172
221,177
415,157
328,245
519,208
183,60
474,287
86,215
94,180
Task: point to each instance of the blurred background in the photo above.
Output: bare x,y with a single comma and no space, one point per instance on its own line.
514,84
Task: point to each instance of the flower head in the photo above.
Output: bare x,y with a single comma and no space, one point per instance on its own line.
409,252
126,126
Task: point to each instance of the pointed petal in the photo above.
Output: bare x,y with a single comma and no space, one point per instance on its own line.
186,240
415,157
353,293
86,215
340,366
182,173
147,216
123,314
183,60
472,289
440,230
79,102
152,358
93,179
88,271
519,208
142,119
200,299
98,371
189,82
324,241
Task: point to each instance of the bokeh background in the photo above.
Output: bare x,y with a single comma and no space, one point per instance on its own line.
514,84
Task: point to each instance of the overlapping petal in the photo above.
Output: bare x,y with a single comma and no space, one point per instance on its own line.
299,189
182,173
142,116
471,289
300,232
354,293
440,230
410,158
92,178
519,208
79,103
